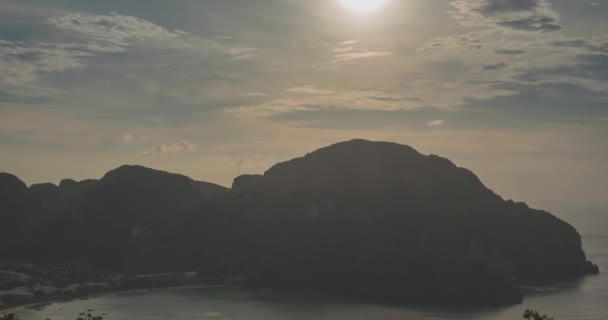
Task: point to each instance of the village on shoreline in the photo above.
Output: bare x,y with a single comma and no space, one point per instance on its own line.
23,285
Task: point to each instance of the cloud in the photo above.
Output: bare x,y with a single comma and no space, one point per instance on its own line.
495,66
509,52
345,46
342,49
525,15
471,41
178,147
82,38
353,50
436,123
113,29
311,98
241,53
493,7
309,89
545,24
593,44
524,58
20,64
345,57
127,138
587,70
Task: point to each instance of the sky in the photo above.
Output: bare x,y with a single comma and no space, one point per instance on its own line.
515,90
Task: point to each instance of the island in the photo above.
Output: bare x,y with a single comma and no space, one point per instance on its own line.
363,220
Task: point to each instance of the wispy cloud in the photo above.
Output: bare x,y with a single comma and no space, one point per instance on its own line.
500,56
309,89
436,123
345,46
526,15
509,52
88,36
20,64
342,49
495,66
178,147
345,57
127,138
241,53
114,29
311,98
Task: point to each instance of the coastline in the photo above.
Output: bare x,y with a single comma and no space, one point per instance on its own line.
40,304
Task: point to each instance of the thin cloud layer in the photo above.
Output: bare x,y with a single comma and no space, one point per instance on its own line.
115,29
241,53
350,50
524,58
436,123
177,147
127,138
526,15
88,36
344,57
309,89
310,98
21,64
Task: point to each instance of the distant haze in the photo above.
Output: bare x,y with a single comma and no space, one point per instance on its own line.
516,91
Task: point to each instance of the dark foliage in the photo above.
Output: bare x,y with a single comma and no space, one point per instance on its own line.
9,316
535,315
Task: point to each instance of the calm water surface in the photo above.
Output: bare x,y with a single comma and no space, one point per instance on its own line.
586,299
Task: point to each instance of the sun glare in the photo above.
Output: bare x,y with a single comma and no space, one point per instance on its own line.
363,6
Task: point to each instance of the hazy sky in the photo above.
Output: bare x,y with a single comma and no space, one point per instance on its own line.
516,90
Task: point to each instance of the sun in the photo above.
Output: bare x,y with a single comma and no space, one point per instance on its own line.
363,6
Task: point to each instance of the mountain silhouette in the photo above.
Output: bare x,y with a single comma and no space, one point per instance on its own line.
14,209
381,212
366,220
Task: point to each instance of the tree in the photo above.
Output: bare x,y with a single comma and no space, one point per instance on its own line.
535,315
10,316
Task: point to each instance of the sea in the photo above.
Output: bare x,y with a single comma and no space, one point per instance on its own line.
586,299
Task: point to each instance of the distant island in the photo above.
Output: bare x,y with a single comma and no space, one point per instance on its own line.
372,221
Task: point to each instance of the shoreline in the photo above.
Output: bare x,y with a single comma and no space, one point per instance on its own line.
39,304
527,291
